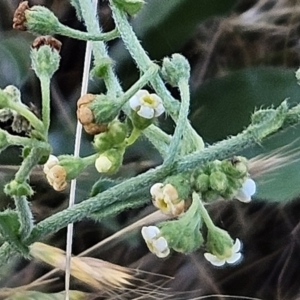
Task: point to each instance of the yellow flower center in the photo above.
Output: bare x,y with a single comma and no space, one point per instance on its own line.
149,101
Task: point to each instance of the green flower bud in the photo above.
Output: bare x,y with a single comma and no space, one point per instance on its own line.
218,181
201,183
15,188
235,167
175,68
41,21
129,6
45,61
102,142
110,161
117,132
104,109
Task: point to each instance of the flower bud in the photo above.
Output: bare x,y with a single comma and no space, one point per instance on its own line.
45,60
110,161
218,181
129,6
175,68
86,117
15,188
56,177
38,19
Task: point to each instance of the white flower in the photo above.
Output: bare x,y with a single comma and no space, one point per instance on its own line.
51,162
233,257
146,105
248,189
157,244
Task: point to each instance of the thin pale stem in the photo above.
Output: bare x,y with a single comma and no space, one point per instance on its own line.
45,87
182,121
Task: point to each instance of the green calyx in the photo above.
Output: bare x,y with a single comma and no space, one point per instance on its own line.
15,188
184,235
45,61
41,21
219,242
104,109
175,69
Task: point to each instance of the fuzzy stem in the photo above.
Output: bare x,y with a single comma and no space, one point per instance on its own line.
25,216
181,122
135,134
45,87
203,212
85,36
99,48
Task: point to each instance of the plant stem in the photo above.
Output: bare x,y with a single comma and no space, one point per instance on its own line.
203,212
181,123
25,216
85,36
45,88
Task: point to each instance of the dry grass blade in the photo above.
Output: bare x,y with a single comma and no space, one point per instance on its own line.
94,272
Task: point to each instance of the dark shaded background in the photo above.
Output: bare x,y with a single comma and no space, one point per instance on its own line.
243,56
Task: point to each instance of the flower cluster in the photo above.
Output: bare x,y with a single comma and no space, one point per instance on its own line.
56,174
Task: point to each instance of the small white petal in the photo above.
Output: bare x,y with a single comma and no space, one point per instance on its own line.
103,164
150,232
134,102
160,244
234,258
159,110
249,187
214,260
156,189
146,112
237,246
141,93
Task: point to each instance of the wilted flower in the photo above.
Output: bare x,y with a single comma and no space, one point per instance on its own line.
146,105
165,198
248,189
231,255
56,174
157,244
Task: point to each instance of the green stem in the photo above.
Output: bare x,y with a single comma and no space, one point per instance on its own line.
159,139
143,80
85,36
29,163
203,212
135,134
45,87
25,216
181,123
99,48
